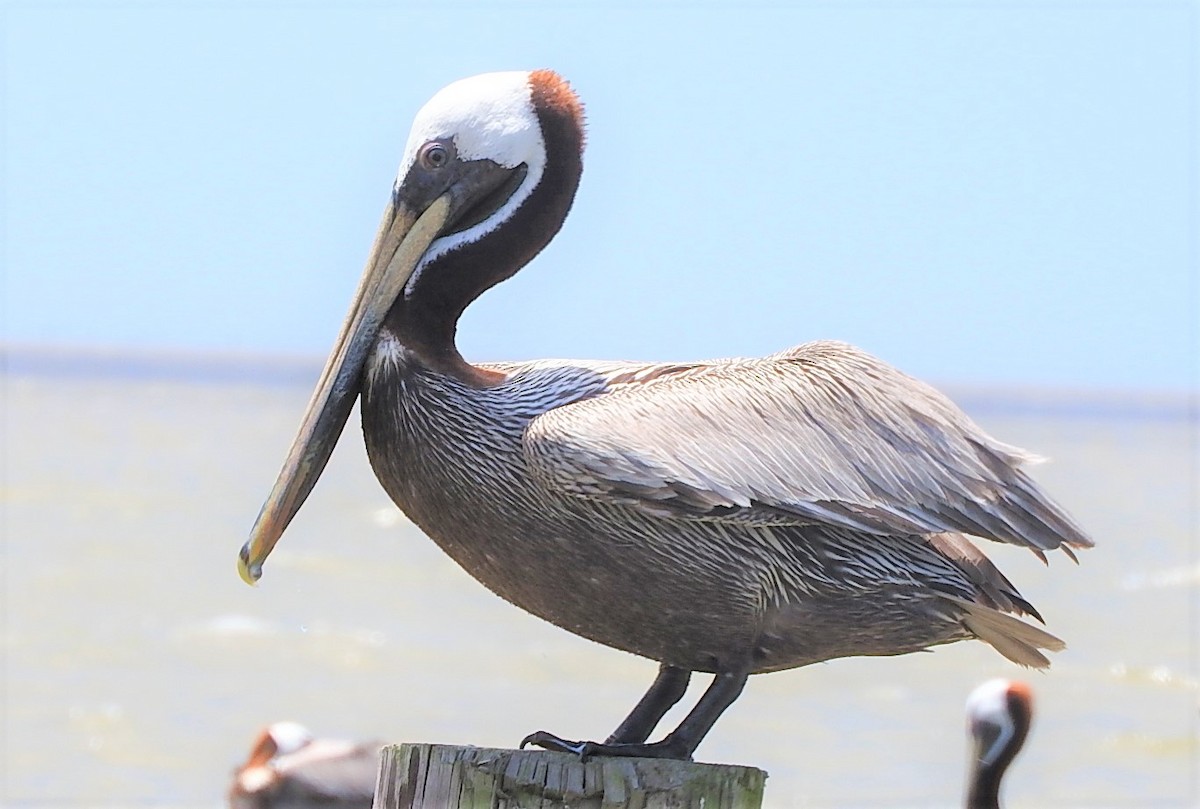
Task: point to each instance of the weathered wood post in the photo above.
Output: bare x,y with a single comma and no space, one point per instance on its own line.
435,776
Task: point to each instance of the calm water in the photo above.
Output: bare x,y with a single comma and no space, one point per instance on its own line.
137,665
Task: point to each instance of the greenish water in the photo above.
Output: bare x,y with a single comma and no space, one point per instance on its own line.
136,665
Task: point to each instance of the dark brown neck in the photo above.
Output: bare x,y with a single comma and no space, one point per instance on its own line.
426,319
984,790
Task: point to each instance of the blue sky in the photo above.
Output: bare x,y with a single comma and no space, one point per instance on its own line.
996,193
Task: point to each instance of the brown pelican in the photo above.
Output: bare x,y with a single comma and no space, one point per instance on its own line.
289,769
999,713
731,517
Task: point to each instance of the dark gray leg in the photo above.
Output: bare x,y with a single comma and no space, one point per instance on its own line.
667,689
679,744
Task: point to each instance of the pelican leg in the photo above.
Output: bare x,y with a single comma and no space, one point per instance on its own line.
667,689
678,744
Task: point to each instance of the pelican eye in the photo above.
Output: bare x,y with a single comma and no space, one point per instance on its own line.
434,155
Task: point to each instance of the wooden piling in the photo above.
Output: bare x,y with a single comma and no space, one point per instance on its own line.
435,776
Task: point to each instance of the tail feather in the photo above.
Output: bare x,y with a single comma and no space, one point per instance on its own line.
993,587
1018,641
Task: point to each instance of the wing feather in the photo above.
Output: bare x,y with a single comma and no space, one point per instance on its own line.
821,433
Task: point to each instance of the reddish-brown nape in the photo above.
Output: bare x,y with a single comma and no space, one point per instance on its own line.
1020,700
552,94
265,748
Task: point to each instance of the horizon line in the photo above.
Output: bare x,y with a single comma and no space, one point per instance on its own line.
287,369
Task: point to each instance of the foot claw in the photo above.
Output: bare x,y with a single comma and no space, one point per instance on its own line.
585,750
548,741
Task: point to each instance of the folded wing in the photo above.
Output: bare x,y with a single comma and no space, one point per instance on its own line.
822,433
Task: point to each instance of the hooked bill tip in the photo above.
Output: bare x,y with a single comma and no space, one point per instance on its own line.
249,573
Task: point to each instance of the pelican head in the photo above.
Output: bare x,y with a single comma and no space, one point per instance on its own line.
273,741
488,173
999,713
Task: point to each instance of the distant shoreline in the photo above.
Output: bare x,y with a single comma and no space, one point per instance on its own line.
233,368
179,366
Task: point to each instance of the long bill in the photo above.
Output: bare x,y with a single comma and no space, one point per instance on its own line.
402,239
